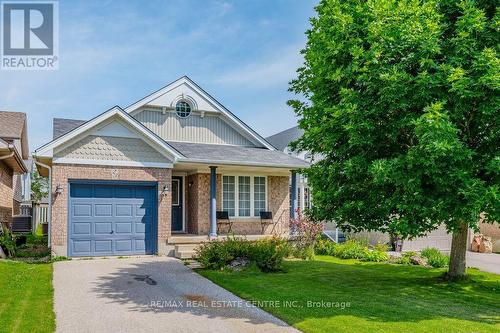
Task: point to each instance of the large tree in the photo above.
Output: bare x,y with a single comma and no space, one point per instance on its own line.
401,101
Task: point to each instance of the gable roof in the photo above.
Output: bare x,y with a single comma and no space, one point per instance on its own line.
217,105
47,149
61,126
282,139
12,124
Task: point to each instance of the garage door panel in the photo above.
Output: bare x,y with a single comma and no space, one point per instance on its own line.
139,245
82,210
103,209
124,210
142,193
123,227
143,211
81,246
103,228
103,191
103,246
112,219
140,228
82,228
81,191
124,192
123,245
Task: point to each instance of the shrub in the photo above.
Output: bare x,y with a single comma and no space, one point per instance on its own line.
306,231
218,254
35,239
405,257
325,247
269,254
381,247
33,251
7,242
434,257
375,255
351,249
305,253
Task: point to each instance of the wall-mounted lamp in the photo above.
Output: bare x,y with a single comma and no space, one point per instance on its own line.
190,183
164,190
59,189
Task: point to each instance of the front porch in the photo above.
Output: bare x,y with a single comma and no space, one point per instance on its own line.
183,246
215,202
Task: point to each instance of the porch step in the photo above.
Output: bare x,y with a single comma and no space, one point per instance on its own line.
184,254
185,251
187,239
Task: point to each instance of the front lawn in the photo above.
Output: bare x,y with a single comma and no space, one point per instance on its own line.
382,297
26,297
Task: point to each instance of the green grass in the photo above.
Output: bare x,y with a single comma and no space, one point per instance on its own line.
26,297
382,297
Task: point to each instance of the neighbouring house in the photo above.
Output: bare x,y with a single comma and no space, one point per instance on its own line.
13,151
282,142
154,176
438,238
491,230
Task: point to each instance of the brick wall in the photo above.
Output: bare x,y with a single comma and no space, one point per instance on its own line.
61,173
198,202
16,207
6,194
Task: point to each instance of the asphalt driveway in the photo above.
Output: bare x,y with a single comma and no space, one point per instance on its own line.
149,294
488,262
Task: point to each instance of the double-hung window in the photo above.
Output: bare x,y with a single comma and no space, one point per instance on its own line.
244,196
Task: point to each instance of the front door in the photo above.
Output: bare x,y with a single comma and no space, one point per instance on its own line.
177,200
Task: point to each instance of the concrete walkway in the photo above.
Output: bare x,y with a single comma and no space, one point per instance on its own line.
488,262
149,294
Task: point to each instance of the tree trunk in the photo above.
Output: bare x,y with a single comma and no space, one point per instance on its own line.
458,253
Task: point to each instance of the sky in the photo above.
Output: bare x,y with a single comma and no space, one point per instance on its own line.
243,53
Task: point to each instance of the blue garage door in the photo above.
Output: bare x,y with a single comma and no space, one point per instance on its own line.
112,219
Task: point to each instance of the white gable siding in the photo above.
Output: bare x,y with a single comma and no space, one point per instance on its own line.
181,91
104,148
197,129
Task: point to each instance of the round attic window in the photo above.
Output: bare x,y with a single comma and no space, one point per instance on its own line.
183,109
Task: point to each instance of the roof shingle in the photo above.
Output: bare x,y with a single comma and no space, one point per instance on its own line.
282,139
237,154
62,126
12,124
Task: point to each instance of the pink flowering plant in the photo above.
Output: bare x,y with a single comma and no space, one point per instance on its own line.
305,231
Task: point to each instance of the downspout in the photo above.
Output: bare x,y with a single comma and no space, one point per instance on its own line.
49,213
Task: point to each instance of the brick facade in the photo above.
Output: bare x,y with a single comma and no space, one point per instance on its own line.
61,173
198,206
6,194
16,207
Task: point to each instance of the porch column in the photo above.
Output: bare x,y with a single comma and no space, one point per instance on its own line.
293,194
213,202
302,195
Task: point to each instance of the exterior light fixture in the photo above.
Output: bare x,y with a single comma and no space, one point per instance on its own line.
164,190
59,189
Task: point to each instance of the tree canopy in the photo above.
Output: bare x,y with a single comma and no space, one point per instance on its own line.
400,99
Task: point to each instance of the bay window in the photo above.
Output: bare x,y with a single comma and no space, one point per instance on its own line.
244,196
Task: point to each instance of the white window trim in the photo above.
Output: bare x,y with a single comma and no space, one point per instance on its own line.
178,181
252,194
